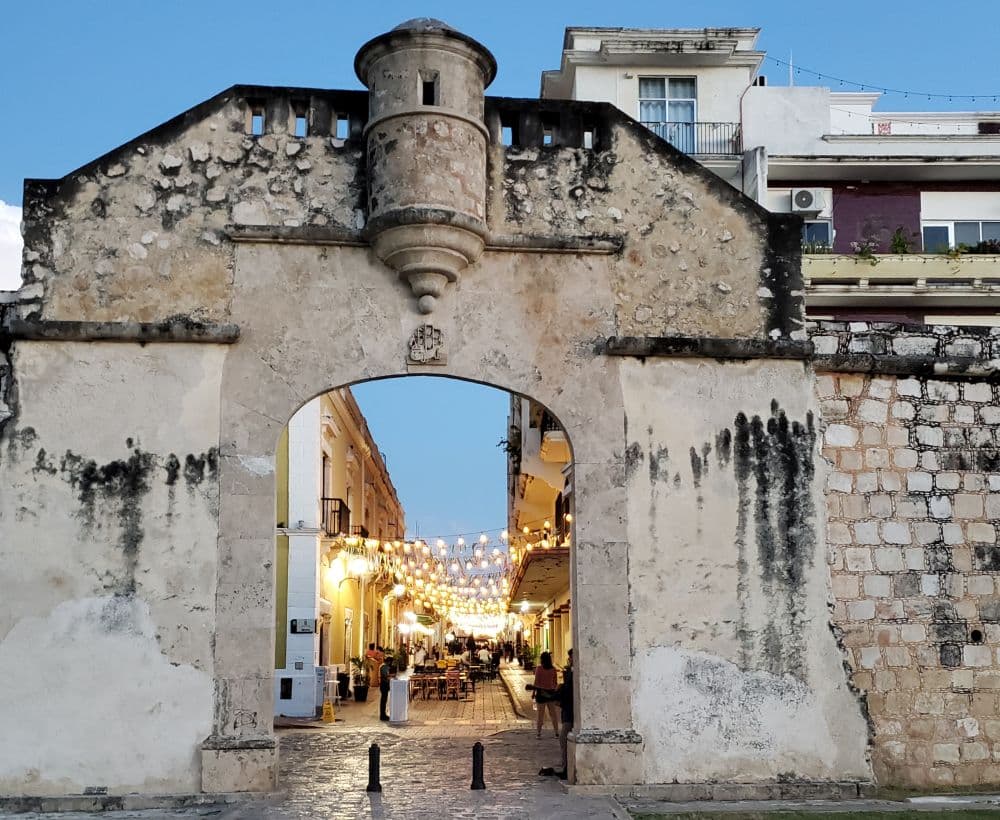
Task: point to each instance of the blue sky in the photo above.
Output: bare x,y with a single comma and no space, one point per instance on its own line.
83,77
439,437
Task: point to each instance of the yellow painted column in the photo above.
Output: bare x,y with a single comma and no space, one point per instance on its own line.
556,628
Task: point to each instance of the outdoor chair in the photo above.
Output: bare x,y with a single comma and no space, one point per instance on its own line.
452,683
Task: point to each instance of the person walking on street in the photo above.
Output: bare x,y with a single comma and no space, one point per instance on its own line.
545,688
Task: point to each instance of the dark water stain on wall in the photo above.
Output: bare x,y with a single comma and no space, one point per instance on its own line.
724,447
659,464
199,467
117,490
774,469
173,468
120,486
633,458
695,467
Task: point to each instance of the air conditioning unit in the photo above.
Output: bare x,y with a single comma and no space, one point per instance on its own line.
807,200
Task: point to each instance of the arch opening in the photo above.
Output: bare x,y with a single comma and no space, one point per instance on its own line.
423,533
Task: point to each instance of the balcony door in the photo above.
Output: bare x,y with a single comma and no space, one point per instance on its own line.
669,107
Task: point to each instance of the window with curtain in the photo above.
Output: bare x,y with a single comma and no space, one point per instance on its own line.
668,106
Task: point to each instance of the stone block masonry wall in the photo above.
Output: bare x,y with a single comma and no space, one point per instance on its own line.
913,500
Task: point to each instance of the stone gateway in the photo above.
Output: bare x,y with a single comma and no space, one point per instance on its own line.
773,581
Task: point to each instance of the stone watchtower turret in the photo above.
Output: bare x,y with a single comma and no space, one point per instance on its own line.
426,147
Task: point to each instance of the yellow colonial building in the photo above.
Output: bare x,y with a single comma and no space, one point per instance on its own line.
333,493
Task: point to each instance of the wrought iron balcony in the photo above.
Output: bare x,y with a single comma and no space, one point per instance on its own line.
718,138
336,516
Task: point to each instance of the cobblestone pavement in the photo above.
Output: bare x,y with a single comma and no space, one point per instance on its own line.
426,769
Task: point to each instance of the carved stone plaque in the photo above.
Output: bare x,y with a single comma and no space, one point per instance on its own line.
427,346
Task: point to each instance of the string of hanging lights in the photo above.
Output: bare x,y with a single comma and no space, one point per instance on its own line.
906,93
451,579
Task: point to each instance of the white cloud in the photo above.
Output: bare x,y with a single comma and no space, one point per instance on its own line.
10,246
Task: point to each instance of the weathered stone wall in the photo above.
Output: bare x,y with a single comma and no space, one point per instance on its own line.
730,624
913,498
140,233
117,452
108,530
690,239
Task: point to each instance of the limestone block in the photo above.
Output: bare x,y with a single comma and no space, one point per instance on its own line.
604,764
967,505
981,532
877,586
858,559
903,410
880,388
973,655
940,506
873,411
946,481
239,770
890,559
942,391
841,435
863,610
946,753
964,414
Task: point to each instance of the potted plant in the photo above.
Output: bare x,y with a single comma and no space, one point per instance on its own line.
529,656
360,679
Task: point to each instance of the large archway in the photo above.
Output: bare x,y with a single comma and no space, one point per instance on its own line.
261,391
394,537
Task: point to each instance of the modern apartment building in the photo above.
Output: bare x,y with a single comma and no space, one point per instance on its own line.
901,210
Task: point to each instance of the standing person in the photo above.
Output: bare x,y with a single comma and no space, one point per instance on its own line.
383,688
545,689
565,695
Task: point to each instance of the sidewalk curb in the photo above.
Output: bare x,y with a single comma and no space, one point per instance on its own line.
513,698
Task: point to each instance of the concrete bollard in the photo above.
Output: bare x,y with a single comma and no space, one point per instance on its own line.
374,767
477,767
